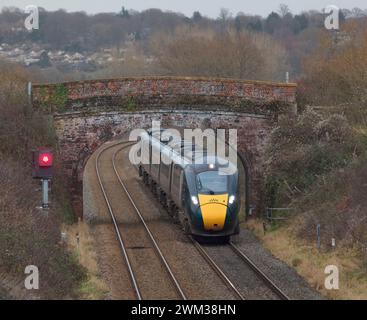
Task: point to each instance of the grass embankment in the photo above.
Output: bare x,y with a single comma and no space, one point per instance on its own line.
29,236
317,165
93,288
310,263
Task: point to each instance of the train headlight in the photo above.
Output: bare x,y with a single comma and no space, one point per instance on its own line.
195,200
232,199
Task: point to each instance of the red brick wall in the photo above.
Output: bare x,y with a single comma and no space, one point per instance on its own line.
163,90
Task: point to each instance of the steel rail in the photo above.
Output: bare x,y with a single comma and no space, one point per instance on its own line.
275,289
154,242
216,268
118,233
270,284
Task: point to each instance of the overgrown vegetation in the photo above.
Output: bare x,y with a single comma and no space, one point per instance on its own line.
131,104
203,52
29,236
336,72
317,161
313,160
317,165
59,97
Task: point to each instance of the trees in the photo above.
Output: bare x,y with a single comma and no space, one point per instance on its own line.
273,22
44,60
232,53
251,23
124,13
284,10
300,23
197,17
224,15
336,72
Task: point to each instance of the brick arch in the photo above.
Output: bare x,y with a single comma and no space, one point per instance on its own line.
81,135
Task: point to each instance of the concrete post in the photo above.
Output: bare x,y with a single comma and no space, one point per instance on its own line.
45,203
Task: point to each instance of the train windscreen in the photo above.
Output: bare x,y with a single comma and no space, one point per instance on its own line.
212,182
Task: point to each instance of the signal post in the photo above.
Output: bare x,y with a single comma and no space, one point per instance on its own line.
43,170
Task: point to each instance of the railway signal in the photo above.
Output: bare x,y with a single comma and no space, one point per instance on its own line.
43,170
42,164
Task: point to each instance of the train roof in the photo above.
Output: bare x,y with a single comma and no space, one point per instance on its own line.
186,154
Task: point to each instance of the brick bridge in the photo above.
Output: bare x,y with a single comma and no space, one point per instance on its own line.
88,113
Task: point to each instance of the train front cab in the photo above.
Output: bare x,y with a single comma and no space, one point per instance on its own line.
212,203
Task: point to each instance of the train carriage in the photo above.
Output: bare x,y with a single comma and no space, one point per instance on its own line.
190,183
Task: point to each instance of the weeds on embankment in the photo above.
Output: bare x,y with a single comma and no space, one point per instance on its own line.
29,236
317,165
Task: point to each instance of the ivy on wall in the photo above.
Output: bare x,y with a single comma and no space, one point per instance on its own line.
55,99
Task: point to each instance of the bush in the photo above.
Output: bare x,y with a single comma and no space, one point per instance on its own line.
21,128
317,165
337,202
335,72
301,150
28,236
335,129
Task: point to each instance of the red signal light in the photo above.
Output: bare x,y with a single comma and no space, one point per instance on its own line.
45,160
42,164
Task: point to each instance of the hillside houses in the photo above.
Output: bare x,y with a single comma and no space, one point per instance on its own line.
34,54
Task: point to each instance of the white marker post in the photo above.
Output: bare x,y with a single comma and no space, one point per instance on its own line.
45,203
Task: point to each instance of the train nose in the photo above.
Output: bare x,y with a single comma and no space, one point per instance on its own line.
213,211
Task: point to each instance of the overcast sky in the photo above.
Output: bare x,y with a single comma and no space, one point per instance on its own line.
207,7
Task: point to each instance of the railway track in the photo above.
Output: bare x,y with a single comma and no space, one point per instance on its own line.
117,227
217,269
272,286
227,279
223,275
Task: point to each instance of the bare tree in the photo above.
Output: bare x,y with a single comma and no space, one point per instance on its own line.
224,15
284,10
236,54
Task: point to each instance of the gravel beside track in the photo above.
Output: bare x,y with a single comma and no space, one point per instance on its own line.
285,277
241,275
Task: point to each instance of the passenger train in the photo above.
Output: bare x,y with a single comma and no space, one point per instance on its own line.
187,181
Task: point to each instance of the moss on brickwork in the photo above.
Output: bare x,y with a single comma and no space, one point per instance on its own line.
60,98
149,92
43,98
131,104
52,99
